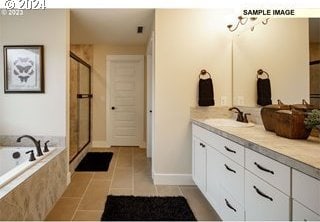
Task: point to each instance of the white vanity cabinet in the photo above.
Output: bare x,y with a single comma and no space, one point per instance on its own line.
239,183
223,161
267,188
306,197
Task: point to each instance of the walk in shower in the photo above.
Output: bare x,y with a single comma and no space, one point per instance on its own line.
80,105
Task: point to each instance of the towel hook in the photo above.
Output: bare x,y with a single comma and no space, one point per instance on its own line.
204,72
260,72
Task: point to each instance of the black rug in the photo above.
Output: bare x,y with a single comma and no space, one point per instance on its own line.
95,161
130,208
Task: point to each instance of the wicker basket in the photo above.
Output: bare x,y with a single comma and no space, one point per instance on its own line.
268,115
304,106
290,124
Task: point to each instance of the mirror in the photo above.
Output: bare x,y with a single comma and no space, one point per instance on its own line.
281,48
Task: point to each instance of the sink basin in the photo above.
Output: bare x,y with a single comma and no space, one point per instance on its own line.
227,122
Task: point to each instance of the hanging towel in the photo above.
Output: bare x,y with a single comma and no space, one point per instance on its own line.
206,96
264,92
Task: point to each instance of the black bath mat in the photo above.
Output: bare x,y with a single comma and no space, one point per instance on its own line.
131,208
95,161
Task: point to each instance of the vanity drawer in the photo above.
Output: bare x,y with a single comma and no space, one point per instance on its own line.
273,172
230,209
232,178
227,147
301,213
306,190
264,202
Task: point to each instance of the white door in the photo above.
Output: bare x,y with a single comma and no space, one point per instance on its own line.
150,95
125,100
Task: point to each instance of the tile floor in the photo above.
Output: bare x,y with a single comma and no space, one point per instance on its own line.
129,174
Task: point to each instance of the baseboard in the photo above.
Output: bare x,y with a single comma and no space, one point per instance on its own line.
99,143
143,144
172,179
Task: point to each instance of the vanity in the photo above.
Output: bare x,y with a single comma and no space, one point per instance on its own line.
252,174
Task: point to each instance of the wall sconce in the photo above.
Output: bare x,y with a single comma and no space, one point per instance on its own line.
243,21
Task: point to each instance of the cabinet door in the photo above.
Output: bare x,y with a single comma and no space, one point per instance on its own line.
233,178
301,213
214,177
264,202
199,164
306,190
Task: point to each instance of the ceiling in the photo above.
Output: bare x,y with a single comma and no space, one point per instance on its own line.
110,26
314,30
119,26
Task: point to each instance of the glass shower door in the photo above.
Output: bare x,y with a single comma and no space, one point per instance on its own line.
84,103
80,106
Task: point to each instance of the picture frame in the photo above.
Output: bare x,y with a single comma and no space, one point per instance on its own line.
23,69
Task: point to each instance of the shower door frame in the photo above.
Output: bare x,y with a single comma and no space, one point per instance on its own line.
314,95
79,96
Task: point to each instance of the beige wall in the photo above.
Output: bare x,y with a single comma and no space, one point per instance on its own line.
282,49
100,53
44,113
186,41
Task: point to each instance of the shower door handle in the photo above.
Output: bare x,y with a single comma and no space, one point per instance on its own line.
83,96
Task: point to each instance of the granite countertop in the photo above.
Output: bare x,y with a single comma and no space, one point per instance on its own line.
302,155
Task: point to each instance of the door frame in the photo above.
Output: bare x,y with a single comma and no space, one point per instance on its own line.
109,59
150,97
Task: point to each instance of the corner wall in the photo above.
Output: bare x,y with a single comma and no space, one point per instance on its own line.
186,41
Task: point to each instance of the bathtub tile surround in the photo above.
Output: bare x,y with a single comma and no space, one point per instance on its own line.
32,194
10,140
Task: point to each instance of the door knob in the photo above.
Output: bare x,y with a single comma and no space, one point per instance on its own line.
150,111
113,108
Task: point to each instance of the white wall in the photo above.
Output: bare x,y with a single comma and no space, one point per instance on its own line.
37,114
186,41
282,49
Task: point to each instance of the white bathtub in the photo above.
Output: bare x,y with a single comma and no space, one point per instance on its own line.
11,168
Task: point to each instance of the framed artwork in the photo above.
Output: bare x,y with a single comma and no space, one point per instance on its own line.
23,69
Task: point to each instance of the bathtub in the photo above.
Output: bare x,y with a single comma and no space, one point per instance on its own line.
11,168
29,190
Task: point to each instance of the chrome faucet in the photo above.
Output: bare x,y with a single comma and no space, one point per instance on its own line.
241,117
36,143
